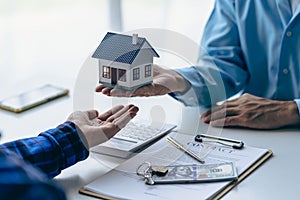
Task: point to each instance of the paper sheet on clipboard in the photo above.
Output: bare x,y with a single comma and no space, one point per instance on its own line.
123,183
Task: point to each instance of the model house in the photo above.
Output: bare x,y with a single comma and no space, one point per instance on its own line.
125,61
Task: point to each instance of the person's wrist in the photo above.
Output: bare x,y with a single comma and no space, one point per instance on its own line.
182,85
292,113
82,137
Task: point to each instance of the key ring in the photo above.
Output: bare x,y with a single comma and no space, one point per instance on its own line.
146,171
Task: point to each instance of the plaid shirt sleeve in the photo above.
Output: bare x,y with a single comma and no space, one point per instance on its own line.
51,151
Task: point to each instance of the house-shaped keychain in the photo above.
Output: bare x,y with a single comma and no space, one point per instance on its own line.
125,61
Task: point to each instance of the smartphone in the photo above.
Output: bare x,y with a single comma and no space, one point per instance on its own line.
32,98
196,174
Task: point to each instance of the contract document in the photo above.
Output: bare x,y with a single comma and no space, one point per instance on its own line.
123,182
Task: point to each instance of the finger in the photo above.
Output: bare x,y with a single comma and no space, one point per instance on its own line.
219,107
100,88
227,104
126,117
227,122
106,91
92,114
113,128
110,112
119,113
226,112
205,114
121,93
208,113
224,106
219,114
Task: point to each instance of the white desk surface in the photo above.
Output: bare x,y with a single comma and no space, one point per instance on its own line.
275,179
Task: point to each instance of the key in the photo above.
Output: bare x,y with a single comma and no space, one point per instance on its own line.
159,171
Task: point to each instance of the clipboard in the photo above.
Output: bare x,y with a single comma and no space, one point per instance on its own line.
94,194
242,176
216,195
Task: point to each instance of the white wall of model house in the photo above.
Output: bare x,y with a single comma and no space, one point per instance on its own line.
144,58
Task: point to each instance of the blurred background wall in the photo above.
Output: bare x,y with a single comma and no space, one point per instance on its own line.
52,38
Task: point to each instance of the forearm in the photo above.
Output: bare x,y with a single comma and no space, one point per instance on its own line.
20,180
206,86
221,71
52,151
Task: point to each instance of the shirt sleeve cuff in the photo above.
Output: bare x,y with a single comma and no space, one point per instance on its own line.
199,94
188,98
66,138
298,104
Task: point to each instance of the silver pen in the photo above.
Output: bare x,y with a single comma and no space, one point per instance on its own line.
180,147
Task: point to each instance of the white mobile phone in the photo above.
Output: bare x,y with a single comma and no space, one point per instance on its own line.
32,98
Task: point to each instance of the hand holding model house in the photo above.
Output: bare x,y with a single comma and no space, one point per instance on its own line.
126,68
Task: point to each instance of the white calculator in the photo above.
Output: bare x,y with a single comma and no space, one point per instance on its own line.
133,137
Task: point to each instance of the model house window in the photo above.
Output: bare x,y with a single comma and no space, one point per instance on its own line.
106,72
122,75
136,74
147,70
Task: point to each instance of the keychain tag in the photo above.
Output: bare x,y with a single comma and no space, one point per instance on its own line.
159,171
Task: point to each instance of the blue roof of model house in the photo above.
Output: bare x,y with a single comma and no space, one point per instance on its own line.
119,48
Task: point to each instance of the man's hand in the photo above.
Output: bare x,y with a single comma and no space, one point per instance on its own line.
164,82
95,129
253,112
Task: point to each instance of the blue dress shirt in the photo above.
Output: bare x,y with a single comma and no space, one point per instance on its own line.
27,164
250,46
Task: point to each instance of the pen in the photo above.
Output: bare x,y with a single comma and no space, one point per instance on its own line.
180,147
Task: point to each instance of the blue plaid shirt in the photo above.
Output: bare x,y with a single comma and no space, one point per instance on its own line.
27,164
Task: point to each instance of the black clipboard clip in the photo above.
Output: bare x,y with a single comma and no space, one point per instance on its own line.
235,144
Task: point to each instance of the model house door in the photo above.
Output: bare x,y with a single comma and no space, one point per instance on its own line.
114,77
